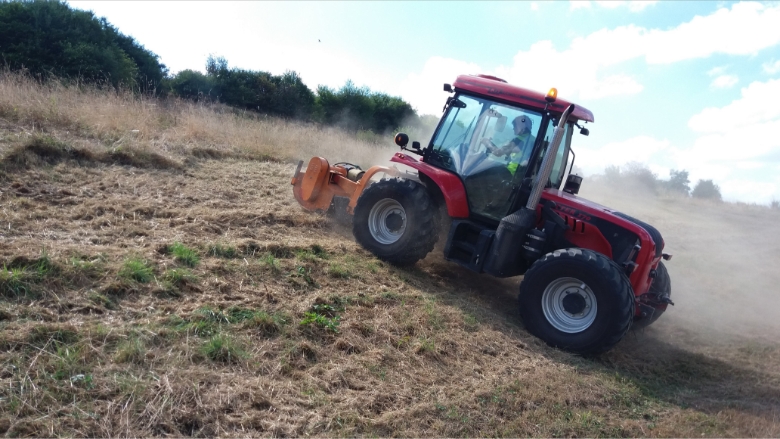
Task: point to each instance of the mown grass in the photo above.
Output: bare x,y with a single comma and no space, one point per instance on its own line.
426,351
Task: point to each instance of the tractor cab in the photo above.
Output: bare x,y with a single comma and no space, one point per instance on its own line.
496,148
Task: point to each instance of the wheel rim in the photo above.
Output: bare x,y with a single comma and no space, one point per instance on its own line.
569,305
387,221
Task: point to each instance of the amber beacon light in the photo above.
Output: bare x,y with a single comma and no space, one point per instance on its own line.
551,95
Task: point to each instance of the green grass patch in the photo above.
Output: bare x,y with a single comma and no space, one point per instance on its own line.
268,324
196,326
339,271
314,253
179,276
183,254
305,274
322,316
85,268
272,263
223,349
15,283
136,269
222,251
19,278
207,321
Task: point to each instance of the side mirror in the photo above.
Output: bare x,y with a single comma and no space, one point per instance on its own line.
401,139
448,88
584,131
573,183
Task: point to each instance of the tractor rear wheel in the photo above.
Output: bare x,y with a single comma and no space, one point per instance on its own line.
578,300
661,287
395,220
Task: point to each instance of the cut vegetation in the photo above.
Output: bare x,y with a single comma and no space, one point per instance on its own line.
200,300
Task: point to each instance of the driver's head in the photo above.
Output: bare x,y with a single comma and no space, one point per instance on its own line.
522,124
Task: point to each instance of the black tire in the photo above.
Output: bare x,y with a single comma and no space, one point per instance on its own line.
396,220
661,287
575,324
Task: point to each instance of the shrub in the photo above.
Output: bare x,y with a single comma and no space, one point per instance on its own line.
706,189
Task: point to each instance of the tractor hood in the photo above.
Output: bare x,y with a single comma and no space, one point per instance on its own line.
587,210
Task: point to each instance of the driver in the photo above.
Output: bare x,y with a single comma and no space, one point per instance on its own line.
515,147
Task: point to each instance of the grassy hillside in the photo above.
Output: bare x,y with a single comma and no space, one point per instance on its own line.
159,279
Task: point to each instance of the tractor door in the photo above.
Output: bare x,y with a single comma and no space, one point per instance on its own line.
471,128
559,166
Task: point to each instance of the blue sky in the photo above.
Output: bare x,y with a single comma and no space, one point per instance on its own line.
675,85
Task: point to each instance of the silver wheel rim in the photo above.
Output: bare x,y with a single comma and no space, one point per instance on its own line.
554,300
383,221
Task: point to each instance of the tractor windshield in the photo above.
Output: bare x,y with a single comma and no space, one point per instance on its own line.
489,145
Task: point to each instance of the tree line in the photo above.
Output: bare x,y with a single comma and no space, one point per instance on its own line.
49,39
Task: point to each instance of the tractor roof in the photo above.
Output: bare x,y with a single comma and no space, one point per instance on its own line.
498,88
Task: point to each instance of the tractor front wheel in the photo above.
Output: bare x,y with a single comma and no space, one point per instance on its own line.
395,220
660,288
578,300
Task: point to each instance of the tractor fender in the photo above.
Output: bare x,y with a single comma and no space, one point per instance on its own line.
448,183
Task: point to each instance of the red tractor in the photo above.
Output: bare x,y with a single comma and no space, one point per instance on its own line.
590,273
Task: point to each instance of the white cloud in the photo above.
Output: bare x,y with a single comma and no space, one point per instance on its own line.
752,108
724,81
579,4
715,71
639,6
738,146
611,4
633,6
771,67
744,29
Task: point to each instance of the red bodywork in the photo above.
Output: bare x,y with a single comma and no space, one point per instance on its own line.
449,183
578,214
498,88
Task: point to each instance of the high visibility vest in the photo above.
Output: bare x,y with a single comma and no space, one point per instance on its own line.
515,157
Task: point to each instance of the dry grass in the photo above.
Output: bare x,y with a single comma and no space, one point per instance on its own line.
90,117
223,347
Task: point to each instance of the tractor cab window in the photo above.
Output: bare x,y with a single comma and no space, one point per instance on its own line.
559,166
489,146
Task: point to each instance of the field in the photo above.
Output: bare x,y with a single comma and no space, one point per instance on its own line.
159,279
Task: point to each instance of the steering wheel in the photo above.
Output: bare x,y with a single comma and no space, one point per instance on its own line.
488,145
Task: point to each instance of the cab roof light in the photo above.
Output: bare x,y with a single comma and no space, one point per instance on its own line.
552,95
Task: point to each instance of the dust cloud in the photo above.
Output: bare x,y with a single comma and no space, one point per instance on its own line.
724,269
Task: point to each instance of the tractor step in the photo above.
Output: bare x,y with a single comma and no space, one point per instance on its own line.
468,244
